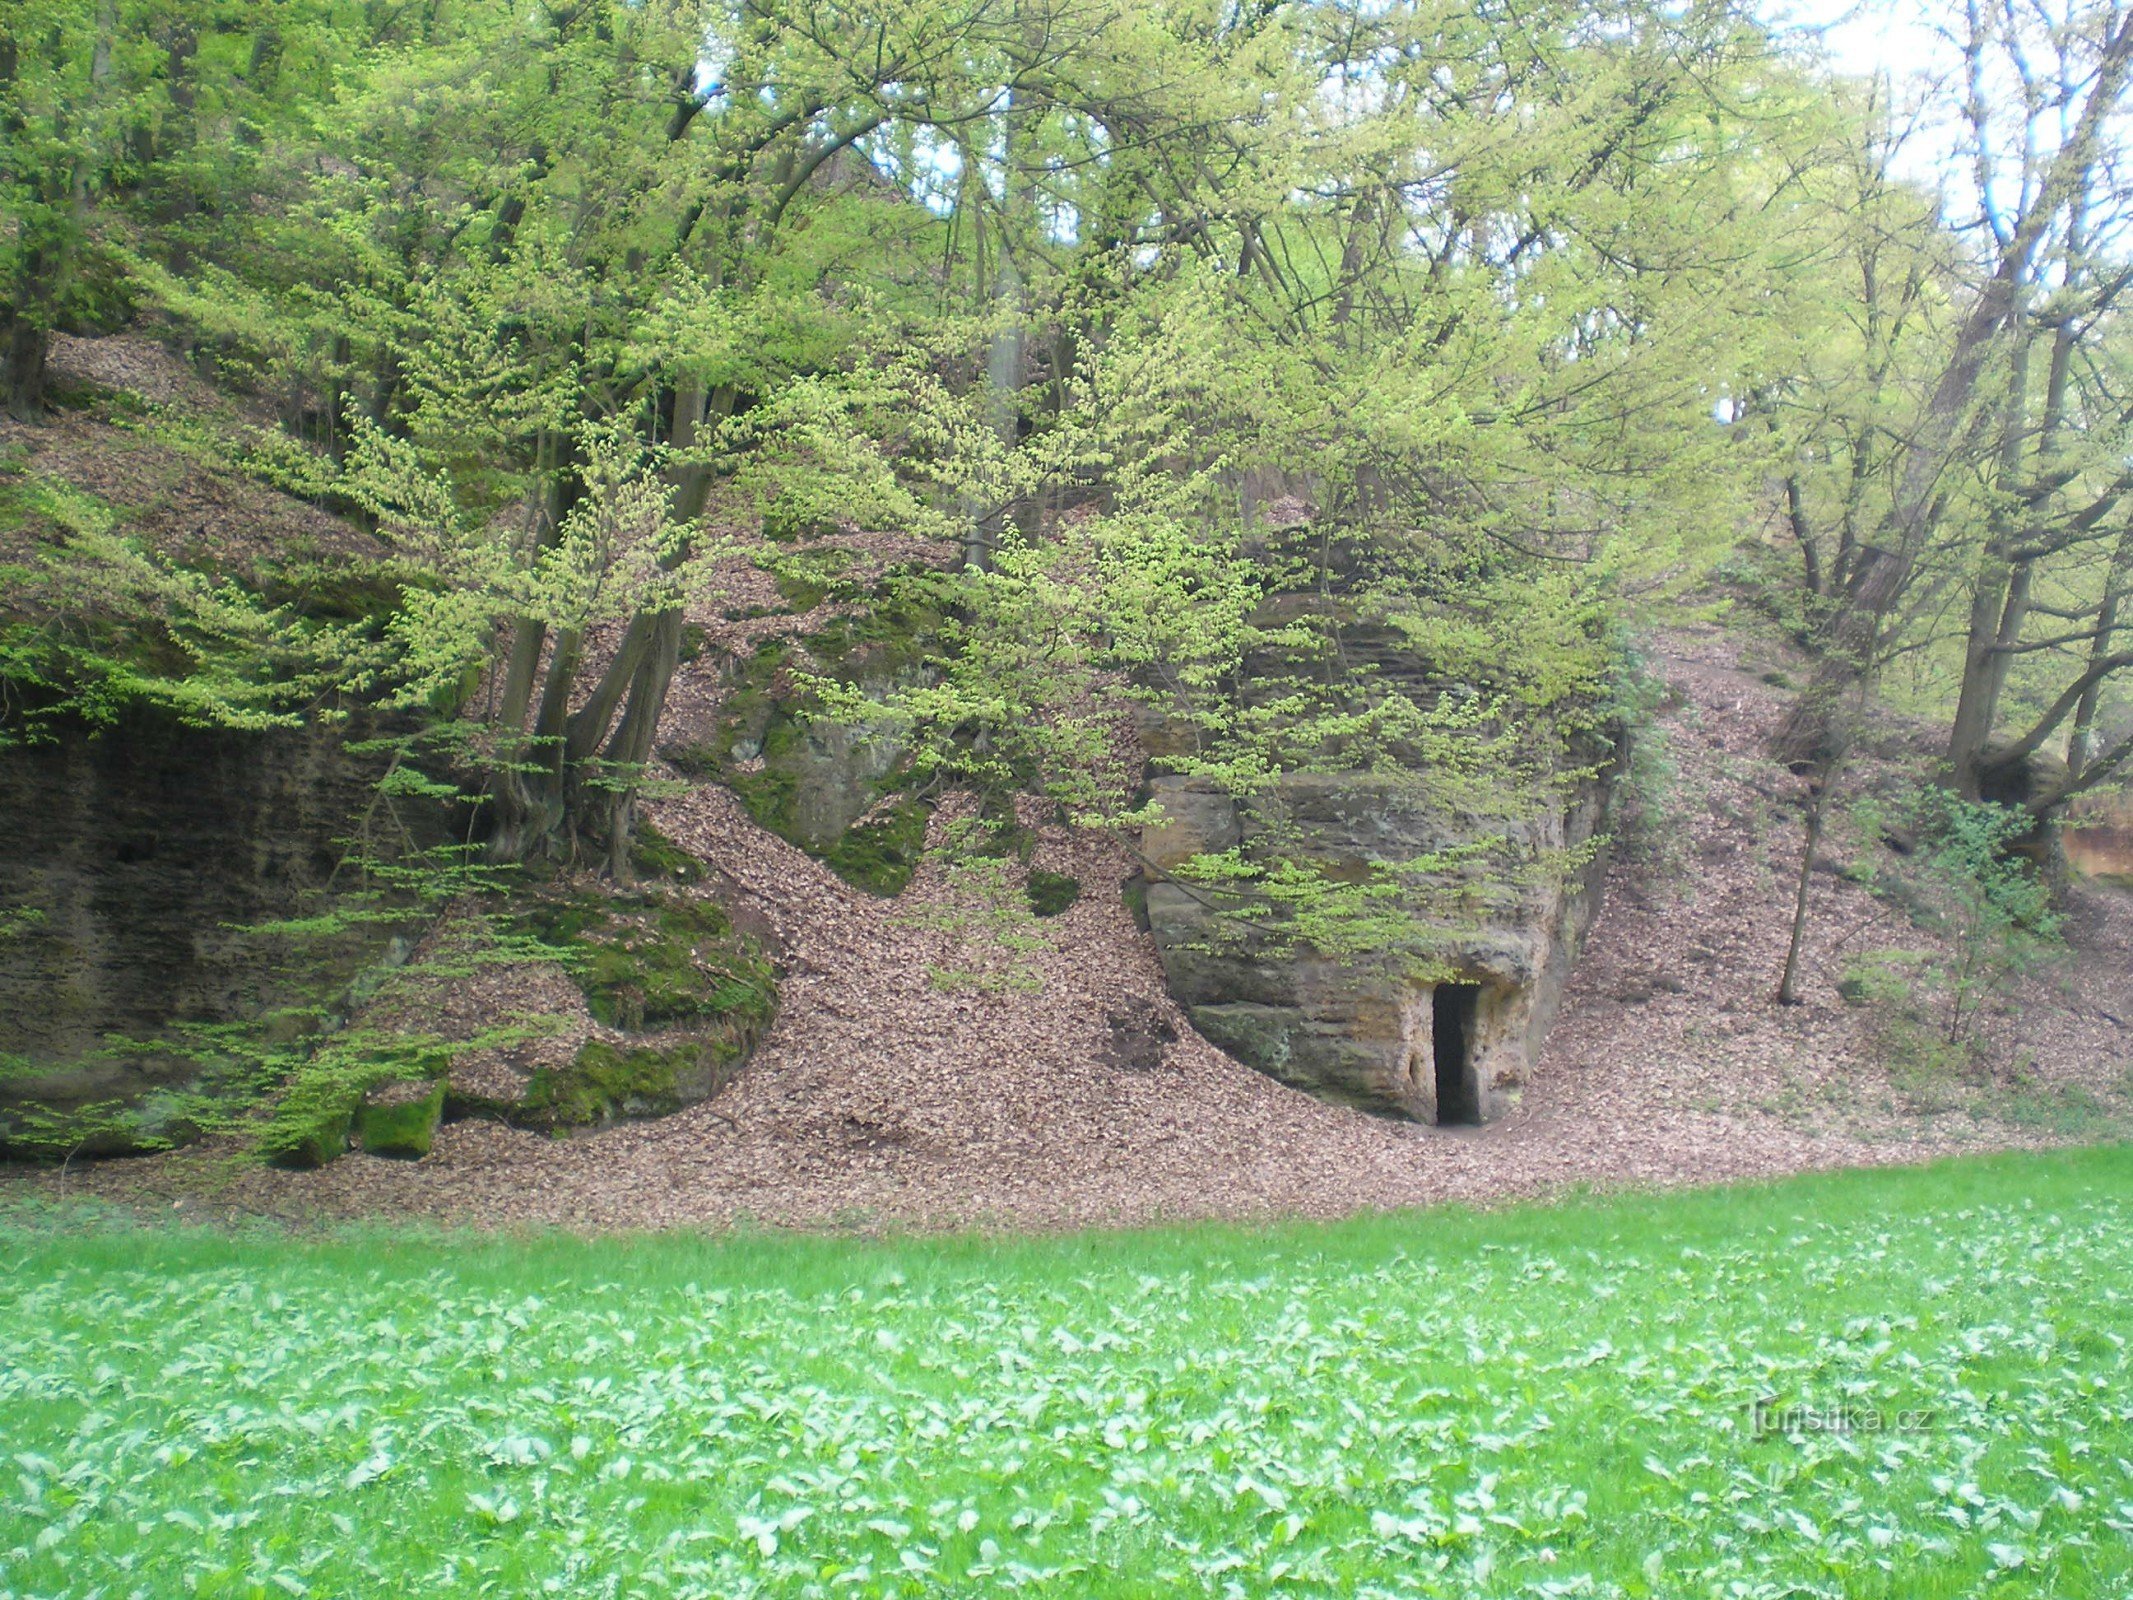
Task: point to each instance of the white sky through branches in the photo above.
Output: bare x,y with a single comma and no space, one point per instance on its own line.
1864,36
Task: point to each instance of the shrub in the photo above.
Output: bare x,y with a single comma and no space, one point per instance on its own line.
1964,883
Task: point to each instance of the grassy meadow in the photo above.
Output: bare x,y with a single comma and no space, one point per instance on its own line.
1536,1402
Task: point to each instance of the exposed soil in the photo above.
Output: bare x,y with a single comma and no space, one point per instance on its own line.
919,1075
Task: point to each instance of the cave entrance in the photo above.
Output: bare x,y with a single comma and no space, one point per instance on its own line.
1453,1007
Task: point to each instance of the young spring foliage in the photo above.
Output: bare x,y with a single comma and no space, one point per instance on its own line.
1316,385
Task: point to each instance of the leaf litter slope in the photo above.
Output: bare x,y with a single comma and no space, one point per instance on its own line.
916,1077
913,1078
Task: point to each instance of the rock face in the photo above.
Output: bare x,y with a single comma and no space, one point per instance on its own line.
1451,1052
832,772
2099,840
135,861
834,787
681,994
129,864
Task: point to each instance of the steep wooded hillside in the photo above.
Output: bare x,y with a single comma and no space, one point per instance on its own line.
922,1072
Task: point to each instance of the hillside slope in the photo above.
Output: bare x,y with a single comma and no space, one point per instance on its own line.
920,1074
901,1086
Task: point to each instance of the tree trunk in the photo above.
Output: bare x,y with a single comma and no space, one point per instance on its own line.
659,654
1789,985
2000,605
1976,705
580,791
519,793
1846,653
1851,643
27,345
2114,591
631,748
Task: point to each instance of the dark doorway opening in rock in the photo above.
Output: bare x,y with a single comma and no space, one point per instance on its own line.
1452,1011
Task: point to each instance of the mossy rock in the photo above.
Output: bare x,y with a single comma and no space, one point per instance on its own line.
878,854
400,1118
805,780
606,1082
750,708
787,522
806,577
694,760
659,971
881,854
892,632
657,963
648,961
312,1124
800,591
771,799
653,961
654,855
161,1120
389,1104
1050,893
337,590
1134,891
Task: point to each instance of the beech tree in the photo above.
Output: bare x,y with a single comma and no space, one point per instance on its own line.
2001,482
1401,306
678,220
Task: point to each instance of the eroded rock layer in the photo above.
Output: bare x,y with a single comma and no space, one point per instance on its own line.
1340,1028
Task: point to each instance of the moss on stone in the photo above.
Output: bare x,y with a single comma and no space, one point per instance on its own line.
400,1119
1050,893
311,1125
652,960
1135,893
806,577
789,521
752,723
666,964
769,798
881,854
159,1120
761,753
782,735
801,592
878,855
605,1081
892,632
694,760
654,855
336,590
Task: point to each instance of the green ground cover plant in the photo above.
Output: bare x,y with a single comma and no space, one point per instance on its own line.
1544,1401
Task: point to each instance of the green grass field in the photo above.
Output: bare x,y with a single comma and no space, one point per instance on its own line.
1552,1401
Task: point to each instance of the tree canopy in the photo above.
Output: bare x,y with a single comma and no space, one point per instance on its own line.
1205,340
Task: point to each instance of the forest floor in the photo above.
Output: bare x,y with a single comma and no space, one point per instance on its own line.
918,1077
921,1075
